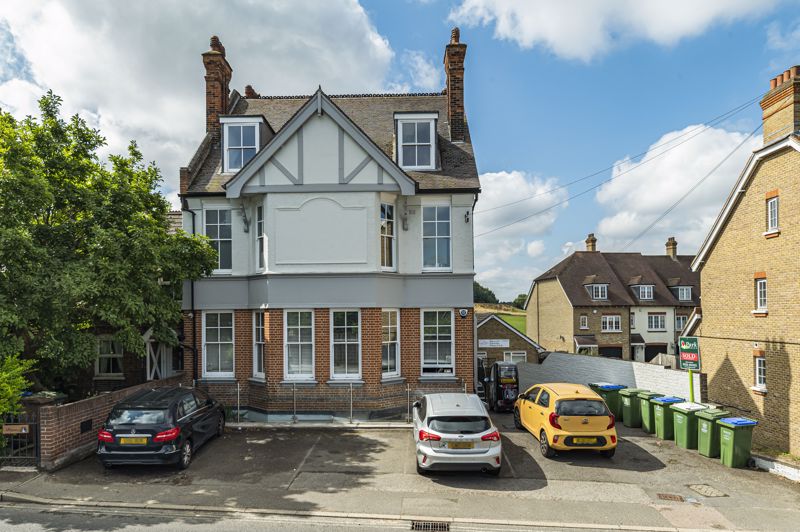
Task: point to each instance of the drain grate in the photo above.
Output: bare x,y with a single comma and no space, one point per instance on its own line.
707,491
670,497
431,526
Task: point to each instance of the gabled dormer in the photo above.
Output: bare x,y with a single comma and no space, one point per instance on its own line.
416,140
242,138
644,292
598,291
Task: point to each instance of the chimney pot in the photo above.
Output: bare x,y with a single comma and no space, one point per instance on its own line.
773,83
781,105
794,71
591,242
454,55
250,92
786,75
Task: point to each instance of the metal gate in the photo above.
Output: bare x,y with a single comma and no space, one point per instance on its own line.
19,440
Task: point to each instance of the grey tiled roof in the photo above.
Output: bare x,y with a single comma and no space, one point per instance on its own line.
374,114
620,271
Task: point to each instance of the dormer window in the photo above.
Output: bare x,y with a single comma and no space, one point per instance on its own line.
684,293
240,141
598,291
416,141
646,292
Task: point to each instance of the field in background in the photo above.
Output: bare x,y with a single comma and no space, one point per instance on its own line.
511,315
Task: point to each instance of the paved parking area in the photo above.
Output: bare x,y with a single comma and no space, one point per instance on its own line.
647,483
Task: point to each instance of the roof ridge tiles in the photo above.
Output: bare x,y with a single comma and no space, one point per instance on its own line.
349,95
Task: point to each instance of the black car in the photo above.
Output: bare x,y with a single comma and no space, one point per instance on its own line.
160,426
502,386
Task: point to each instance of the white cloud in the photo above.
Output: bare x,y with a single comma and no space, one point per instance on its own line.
585,29
507,282
424,75
535,248
498,254
136,73
783,40
639,195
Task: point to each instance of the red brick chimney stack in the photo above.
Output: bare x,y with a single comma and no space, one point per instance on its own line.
454,55
218,78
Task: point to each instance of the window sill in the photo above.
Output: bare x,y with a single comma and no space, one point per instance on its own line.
758,390
344,383
109,377
392,379
388,270
258,380
657,330
438,378
437,270
772,233
583,328
759,313
217,380
614,331
298,382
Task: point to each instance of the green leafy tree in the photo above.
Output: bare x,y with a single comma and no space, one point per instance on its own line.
83,245
481,294
519,301
12,382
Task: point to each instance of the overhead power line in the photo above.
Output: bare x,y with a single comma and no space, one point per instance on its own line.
699,130
692,189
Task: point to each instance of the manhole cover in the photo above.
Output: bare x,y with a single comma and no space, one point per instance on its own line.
707,491
431,526
670,497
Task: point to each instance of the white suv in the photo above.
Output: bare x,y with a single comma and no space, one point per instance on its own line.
453,431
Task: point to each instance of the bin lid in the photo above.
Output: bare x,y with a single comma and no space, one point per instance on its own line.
712,413
688,407
668,400
648,395
631,391
607,386
737,422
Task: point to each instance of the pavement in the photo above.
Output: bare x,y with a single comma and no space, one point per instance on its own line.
370,474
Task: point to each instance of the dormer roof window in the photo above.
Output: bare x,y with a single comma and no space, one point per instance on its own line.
645,292
598,291
416,140
240,139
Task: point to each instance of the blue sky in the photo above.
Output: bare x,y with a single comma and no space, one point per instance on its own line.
554,91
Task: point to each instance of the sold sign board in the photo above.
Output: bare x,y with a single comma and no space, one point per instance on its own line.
689,353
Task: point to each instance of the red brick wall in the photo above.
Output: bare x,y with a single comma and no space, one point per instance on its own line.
322,344
59,426
371,345
409,344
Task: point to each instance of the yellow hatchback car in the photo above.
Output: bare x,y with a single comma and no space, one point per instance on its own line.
565,417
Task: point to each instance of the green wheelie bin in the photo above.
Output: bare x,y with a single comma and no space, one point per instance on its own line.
610,394
683,415
663,416
736,438
631,415
646,409
708,431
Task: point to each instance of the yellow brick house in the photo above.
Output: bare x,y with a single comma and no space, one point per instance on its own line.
750,281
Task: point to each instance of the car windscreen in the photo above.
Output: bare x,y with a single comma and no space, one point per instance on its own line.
137,417
507,372
581,407
459,424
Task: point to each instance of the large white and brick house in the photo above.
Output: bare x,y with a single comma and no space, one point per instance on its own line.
343,225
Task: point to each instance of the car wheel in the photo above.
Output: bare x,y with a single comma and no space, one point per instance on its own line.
221,426
186,455
107,465
494,472
421,471
544,446
609,453
517,420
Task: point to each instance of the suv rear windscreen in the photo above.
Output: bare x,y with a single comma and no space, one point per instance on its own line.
459,424
507,372
581,407
137,417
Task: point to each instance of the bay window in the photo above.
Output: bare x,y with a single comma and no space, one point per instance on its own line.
390,343
218,344
298,344
436,237
258,344
218,230
387,237
437,342
346,344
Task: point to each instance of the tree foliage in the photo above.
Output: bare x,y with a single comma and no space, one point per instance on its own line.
481,294
84,245
519,301
12,382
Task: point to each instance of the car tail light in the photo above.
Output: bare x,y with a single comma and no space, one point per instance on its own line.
555,438
611,421
167,435
554,420
492,436
613,439
104,435
427,436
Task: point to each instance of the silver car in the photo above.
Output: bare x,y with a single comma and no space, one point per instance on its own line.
453,431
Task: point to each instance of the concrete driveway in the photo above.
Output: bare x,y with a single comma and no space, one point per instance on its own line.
648,483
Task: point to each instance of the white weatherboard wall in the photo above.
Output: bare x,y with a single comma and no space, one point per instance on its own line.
582,369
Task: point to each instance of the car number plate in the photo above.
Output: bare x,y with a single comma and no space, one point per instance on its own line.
584,440
460,445
133,441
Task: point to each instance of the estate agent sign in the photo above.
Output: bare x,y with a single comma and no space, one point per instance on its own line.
689,353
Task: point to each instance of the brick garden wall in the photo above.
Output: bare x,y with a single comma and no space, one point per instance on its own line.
60,435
